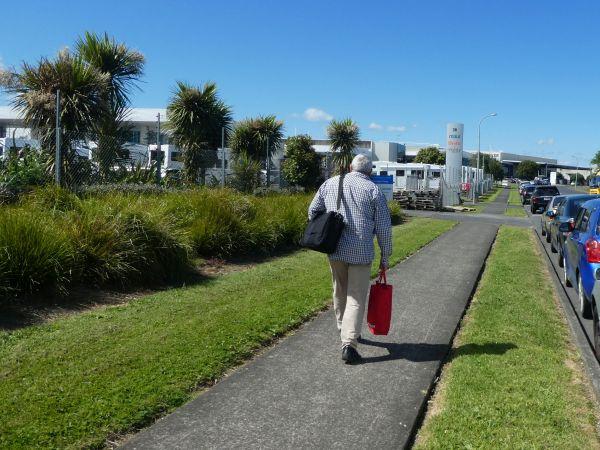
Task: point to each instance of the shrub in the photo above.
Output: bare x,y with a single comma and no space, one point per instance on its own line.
52,198
24,168
53,238
246,173
8,194
396,213
127,246
35,254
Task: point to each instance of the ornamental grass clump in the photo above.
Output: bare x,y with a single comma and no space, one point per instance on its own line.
35,254
124,243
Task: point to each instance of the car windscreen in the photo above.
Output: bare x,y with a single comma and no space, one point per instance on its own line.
547,191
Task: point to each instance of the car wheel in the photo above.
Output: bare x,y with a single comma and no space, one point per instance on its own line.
596,332
561,260
584,305
565,277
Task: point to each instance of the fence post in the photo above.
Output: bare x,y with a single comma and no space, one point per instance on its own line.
223,156
57,156
158,151
268,166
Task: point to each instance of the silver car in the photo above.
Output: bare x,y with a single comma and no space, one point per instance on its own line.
546,218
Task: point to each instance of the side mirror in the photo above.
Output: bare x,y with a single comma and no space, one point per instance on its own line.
566,227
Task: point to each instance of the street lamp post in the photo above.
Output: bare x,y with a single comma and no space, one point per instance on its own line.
479,152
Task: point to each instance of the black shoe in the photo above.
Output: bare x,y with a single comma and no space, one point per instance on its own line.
350,355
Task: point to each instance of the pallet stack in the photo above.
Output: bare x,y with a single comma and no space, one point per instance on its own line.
430,200
404,199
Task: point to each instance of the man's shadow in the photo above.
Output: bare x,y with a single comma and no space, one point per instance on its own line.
419,352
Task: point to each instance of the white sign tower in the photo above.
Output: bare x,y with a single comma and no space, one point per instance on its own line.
454,153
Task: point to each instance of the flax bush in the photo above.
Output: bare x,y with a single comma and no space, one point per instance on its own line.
53,239
35,254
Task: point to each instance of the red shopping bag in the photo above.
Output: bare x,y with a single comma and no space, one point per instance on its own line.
379,314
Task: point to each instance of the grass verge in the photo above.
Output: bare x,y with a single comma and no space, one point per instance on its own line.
78,380
515,211
513,197
517,381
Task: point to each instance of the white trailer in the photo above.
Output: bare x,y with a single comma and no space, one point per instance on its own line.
412,176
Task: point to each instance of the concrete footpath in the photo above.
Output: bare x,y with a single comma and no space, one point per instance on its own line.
498,206
299,394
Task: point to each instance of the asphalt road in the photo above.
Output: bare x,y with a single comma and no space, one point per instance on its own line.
570,292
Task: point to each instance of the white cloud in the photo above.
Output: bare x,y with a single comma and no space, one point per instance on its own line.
399,129
316,115
375,126
549,141
414,125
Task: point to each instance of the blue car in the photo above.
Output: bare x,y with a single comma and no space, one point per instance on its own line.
581,253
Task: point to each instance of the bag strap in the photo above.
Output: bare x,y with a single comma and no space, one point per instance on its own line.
340,192
382,277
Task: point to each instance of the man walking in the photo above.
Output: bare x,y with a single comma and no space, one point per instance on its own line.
365,213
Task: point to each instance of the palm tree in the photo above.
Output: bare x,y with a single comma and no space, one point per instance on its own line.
196,117
344,136
258,138
123,68
82,92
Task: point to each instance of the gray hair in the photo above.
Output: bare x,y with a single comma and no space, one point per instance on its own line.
362,164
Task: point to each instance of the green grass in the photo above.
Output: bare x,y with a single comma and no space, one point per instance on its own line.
513,197
515,212
514,380
77,380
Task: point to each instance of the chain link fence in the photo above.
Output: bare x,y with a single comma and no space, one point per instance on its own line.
88,159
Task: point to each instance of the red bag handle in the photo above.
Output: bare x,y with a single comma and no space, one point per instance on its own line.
382,277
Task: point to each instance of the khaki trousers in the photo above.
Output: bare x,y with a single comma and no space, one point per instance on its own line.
351,283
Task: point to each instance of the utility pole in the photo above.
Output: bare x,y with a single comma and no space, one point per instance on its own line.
158,150
479,150
223,156
57,156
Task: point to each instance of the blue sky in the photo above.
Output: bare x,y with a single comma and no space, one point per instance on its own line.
401,69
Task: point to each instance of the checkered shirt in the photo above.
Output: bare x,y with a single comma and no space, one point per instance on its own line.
365,213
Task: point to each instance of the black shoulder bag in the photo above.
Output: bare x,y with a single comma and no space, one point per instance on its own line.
323,232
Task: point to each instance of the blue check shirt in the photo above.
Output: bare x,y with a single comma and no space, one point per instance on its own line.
365,213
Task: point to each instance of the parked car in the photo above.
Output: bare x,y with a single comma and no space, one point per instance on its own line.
504,183
522,186
581,253
526,195
566,212
541,196
595,313
594,185
552,205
